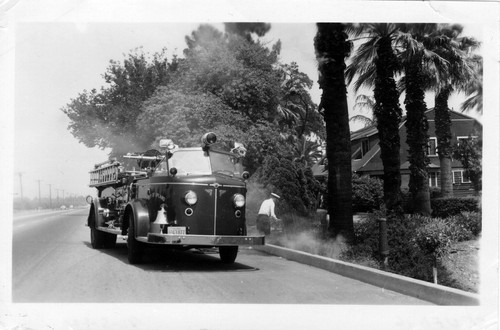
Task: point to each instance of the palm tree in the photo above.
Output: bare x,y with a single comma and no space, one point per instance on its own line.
416,44
305,150
474,88
375,64
332,48
456,73
364,103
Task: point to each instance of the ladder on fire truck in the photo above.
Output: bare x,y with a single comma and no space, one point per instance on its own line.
111,171
105,173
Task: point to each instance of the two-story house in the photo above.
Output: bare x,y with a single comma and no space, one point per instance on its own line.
365,151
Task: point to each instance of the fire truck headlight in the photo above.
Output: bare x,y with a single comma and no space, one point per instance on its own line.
191,197
239,200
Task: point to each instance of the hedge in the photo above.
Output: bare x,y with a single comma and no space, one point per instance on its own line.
445,207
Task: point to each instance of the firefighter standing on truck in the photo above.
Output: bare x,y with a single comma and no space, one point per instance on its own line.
266,212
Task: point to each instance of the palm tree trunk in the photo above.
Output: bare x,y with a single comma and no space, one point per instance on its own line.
332,48
388,114
417,139
443,134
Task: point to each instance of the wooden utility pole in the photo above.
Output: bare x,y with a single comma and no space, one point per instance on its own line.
50,195
21,184
39,195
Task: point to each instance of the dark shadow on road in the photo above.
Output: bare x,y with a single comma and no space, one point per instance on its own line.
161,259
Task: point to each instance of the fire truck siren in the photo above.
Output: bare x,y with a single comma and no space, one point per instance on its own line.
209,138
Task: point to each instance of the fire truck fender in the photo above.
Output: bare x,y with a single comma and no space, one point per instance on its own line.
95,219
140,214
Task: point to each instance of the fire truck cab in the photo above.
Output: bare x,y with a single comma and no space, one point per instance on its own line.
181,198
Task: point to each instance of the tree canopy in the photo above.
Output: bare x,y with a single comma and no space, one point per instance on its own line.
227,82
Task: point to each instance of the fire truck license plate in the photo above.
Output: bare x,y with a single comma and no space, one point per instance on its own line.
176,230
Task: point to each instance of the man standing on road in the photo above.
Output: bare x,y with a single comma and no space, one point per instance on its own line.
266,212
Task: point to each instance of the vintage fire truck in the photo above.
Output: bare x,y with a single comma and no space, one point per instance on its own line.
179,197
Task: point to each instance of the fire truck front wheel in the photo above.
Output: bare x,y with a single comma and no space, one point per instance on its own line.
100,239
134,247
228,254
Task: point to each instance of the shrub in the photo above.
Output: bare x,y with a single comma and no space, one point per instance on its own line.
433,237
367,193
293,181
445,207
404,257
467,222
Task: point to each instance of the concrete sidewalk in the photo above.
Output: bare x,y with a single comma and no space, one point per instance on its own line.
434,293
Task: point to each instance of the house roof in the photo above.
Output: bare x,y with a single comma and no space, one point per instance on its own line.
372,130
364,163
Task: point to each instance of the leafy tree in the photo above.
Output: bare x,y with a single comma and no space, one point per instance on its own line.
332,47
246,30
239,72
185,117
107,119
296,109
374,64
469,152
244,86
225,83
293,181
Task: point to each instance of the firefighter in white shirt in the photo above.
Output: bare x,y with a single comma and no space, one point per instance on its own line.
266,212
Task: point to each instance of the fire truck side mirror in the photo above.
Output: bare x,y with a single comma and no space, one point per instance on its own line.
89,199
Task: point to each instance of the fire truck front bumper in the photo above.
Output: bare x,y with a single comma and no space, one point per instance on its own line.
201,240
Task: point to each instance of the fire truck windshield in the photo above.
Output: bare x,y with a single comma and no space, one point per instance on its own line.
225,164
197,162
190,162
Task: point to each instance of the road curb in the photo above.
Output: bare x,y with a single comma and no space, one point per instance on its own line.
431,292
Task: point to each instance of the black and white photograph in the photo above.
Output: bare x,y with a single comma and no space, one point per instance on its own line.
249,165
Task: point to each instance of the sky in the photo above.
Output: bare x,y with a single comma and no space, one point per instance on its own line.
58,58
52,50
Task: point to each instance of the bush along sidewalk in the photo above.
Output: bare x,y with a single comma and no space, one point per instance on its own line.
433,238
419,247
417,244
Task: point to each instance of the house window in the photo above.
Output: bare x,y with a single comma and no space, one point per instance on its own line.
465,138
365,146
434,179
460,177
432,147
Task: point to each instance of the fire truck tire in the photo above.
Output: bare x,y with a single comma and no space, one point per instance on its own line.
96,238
228,254
134,247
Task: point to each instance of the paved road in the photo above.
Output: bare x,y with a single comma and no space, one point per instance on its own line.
54,262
